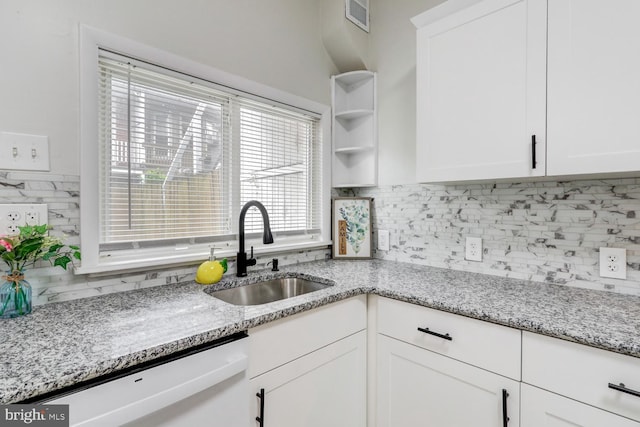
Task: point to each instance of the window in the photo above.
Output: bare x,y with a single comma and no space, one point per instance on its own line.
178,156
165,157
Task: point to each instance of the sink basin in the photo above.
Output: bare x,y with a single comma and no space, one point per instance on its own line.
268,291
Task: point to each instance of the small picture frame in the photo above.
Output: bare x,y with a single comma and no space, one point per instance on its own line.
351,225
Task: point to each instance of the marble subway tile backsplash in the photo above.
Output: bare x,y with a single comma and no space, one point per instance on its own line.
541,231
61,193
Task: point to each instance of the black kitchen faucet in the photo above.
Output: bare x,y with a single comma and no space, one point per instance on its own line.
241,260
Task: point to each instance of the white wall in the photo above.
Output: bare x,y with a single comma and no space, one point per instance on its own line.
275,42
346,43
393,56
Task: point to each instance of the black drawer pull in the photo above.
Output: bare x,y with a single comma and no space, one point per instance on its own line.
427,331
505,415
260,419
624,389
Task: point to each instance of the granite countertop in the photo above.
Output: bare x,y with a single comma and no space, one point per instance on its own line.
61,344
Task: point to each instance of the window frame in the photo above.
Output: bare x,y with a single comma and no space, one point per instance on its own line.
91,41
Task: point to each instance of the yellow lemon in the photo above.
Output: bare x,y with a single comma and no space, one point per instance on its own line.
209,272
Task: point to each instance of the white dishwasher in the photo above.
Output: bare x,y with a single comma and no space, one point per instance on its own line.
206,386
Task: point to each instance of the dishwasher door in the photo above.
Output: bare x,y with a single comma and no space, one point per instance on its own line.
208,388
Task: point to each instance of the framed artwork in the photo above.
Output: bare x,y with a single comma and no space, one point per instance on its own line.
351,227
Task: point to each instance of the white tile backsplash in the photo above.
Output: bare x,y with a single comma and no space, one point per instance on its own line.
541,231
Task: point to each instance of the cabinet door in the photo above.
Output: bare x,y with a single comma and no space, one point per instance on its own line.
481,92
417,387
594,89
544,409
323,388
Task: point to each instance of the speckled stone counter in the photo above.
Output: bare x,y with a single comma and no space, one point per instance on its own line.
61,344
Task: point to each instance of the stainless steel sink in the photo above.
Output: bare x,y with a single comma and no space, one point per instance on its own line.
268,291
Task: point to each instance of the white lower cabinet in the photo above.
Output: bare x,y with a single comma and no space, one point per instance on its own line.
601,380
324,388
439,369
417,387
430,368
310,369
541,408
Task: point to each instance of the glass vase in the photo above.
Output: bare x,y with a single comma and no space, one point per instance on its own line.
15,295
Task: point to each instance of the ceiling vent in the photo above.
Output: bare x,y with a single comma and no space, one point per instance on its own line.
358,13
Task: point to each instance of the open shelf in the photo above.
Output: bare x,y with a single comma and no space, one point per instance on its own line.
353,114
351,150
354,131
355,169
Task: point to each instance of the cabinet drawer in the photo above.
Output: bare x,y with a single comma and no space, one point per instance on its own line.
582,373
486,345
276,343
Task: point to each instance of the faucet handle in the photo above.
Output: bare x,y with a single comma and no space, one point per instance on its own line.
251,260
212,250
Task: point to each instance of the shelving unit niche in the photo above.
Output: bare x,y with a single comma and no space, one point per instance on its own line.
354,127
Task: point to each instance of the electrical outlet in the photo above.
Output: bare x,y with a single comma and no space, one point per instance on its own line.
473,249
16,215
613,263
32,217
383,240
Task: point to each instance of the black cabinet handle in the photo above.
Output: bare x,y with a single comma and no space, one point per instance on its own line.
533,152
505,415
427,331
260,419
624,389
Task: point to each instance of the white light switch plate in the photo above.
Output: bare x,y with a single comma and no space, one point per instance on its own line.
383,240
24,152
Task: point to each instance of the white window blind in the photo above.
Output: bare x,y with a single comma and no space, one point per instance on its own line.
180,156
279,163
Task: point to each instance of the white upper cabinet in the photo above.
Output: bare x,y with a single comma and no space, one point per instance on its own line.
481,90
594,86
489,79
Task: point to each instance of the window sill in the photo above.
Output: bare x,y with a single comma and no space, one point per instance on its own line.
123,263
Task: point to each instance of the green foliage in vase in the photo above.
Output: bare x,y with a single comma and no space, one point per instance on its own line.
34,243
